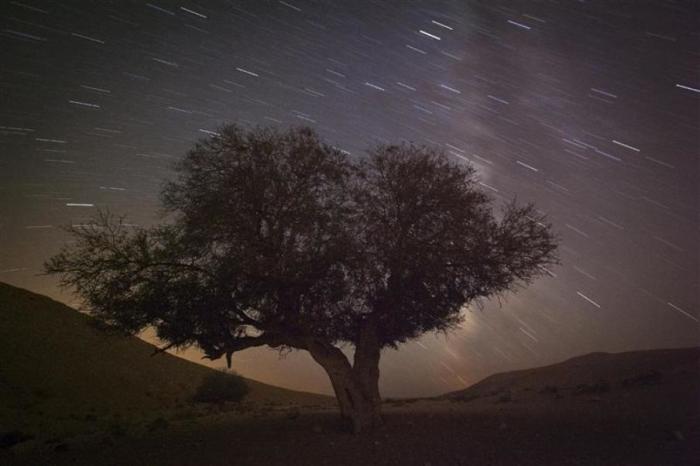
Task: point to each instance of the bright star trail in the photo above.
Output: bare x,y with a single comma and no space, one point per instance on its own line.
588,109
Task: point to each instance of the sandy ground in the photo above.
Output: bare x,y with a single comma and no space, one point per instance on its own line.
620,427
634,408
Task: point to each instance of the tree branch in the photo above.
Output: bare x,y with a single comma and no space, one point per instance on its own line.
164,348
273,340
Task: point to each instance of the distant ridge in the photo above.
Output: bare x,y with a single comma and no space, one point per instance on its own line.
614,369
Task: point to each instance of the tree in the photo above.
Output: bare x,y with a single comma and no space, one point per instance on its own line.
278,239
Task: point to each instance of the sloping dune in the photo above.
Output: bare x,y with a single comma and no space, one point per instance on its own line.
57,370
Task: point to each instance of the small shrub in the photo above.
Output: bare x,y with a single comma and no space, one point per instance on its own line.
220,387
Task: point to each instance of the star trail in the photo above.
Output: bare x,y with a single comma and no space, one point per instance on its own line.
588,109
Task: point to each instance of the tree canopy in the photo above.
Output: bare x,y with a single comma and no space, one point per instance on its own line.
276,238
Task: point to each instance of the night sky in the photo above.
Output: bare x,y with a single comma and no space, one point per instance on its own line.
588,109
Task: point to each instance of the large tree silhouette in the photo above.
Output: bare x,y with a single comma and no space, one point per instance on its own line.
278,239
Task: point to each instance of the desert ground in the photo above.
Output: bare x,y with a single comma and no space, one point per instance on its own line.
585,430
635,408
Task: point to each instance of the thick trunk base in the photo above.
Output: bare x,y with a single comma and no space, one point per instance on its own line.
359,403
356,388
363,413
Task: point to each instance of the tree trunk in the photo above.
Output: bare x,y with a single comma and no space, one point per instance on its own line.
356,387
357,401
